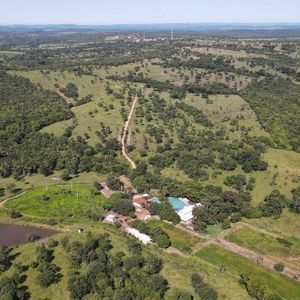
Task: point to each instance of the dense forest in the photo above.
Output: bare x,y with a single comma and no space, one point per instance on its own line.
277,105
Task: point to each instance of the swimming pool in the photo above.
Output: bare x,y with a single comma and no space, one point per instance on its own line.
177,204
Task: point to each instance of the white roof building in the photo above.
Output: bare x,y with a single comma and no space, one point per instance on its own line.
145,239
186,214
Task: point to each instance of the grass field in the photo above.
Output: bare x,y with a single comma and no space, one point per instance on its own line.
287,225
63,201
269,245
237,265
180,239
39,180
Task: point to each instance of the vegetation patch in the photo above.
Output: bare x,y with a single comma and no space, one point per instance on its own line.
236,265
59,202
179,238
264,243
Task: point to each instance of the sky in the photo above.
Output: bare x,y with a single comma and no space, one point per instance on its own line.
98,12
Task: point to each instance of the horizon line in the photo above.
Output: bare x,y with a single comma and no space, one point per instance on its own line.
153,23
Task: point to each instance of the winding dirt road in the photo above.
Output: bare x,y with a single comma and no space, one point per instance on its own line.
125,132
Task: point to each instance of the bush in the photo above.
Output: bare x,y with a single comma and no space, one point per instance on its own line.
279,267
45,197
52,243
15,214
32,237
226,224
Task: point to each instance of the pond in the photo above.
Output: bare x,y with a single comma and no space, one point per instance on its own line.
18,234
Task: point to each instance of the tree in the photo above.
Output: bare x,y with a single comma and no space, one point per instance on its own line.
122,205
44,255
71,90
200,226
158,284
167,213
9,289
295,205
4,258
49,274
78,286
236,181
203,289
134,246
114,183
154,208
273,204
256,288
154,265
228,164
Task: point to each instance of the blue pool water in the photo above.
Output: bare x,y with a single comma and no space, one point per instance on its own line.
176,203
155,200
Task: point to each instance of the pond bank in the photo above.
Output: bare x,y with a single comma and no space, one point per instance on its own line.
17,234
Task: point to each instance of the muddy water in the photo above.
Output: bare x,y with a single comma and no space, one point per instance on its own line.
17,234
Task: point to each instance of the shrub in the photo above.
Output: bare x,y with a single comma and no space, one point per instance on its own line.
15,214
32,237
279,267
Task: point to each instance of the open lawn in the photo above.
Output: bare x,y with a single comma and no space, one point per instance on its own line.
58,201
236,265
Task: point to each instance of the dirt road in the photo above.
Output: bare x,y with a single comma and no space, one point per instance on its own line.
257,258
6,200
125,132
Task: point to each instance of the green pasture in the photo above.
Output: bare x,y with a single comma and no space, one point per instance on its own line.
236,265
58,201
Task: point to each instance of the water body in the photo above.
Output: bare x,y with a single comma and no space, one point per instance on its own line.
17,234
177,204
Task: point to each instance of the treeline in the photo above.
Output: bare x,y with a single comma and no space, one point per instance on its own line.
88,54
25,109
176,92
277,105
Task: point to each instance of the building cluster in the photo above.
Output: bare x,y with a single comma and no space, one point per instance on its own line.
182,206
